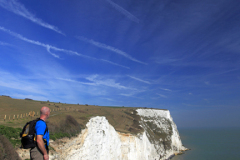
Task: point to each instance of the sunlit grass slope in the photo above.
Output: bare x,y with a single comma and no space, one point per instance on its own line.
123,119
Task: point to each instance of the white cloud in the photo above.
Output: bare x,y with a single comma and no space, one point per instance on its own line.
96,80
19,9
130,95
165,89
110,48
109,99
161,60
37,81
224,72
106,82
99,85
54,55
5,44
114,63
17,82
127,94
70,80
29,41
133,93
161,95
48,47
123,11
140,80
206,82
40,83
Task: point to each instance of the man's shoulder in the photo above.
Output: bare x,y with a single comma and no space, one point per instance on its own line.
40,127
40,123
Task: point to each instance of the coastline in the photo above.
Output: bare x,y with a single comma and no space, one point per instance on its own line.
210,143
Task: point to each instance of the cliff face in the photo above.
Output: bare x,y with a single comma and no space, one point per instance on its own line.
101,141
161,131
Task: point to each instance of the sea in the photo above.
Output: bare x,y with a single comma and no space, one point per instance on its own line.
210,144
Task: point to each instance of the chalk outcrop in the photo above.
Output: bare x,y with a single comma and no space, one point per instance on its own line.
161,132
100,141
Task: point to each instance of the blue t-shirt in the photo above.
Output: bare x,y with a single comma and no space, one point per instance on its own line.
40,129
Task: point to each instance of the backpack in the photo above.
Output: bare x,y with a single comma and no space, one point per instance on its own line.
28,138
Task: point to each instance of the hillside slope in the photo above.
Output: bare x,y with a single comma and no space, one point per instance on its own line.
106,132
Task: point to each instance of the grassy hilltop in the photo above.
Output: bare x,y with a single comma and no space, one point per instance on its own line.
67,120
123,119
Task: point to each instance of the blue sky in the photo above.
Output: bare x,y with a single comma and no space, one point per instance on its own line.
178,55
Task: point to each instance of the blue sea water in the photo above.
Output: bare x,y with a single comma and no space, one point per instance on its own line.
210,144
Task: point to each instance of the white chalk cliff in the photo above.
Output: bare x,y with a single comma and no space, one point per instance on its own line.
100,141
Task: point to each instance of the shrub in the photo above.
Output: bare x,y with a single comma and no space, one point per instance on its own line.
7,151
12,134
67,128
28,99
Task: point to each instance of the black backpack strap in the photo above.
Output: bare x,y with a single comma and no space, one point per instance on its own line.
46,126
47,148
35,124
46,130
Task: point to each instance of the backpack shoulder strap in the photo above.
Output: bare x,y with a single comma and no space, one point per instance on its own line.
46,126
34,124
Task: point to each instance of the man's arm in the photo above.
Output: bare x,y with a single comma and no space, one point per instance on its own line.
41,146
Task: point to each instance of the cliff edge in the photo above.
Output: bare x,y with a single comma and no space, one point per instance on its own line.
99,140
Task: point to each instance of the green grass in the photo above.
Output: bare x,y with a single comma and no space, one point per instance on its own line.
68,128
59,135
121,118
9,122
12,134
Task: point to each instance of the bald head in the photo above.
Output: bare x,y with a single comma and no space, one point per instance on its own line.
44,113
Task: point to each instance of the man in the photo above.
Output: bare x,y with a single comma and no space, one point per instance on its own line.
40,152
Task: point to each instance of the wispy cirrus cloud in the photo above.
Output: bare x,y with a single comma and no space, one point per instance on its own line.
161,95
132,94
39,85
17,82
19,9
165,89
106,82
114,63
140,80
127,94
74,81
161,60
54,55
123,11
109,99
101,85
5,44
49,47
110,48
96,80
